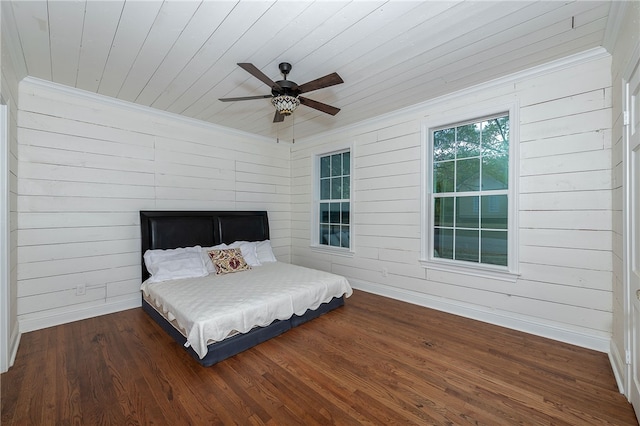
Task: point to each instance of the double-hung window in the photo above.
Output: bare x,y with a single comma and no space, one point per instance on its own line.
470,196
332,205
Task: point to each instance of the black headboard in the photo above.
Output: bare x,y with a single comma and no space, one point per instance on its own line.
173,229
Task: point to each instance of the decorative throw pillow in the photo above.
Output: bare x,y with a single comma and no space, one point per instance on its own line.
228,260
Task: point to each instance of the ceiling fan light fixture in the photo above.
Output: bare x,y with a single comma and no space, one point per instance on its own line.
285,104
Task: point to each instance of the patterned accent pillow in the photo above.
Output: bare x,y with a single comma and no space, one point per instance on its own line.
228,260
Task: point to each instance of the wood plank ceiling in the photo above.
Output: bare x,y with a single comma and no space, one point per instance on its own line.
180,56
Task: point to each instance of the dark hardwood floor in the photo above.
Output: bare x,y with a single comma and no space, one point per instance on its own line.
374,361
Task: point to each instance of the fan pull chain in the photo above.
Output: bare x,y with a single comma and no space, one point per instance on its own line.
293,129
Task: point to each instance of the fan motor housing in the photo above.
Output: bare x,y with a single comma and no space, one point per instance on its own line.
288,88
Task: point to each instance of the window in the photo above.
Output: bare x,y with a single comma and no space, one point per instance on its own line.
333,205
470,197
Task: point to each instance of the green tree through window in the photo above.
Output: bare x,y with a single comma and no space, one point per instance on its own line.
470,176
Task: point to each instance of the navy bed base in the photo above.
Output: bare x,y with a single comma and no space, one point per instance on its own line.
173,229
240,342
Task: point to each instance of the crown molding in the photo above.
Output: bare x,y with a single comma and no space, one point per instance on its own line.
130,106
553,66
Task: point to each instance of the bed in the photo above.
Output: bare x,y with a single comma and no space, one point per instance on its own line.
215,316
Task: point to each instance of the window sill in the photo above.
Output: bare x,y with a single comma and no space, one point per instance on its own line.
337,251
475,271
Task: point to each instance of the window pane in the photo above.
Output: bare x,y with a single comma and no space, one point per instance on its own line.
334,237
345,213
468,175
494,247
325,189
345,188
344,237
324,213
468,159
495,173
443,211
324,234
443,176
444,144
443,243
336,188
325,166
336,165
468,140
467,212
334,213
346,163
495,137
494,212
467,245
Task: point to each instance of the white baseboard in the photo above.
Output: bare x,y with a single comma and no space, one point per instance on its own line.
618,365
46,319
14,341
505,319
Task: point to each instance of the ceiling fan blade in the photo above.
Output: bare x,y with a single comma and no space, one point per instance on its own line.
319,105
320,83
251,69
278,117
245,98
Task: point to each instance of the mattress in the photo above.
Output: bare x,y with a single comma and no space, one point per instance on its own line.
209,309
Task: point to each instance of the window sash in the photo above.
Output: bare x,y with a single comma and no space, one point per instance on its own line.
451,238
332,206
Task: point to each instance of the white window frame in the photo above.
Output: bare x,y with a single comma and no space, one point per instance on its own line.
315,205
427,260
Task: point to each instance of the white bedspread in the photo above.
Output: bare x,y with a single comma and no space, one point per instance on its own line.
209,308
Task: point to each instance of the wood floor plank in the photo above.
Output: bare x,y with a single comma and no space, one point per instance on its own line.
374,361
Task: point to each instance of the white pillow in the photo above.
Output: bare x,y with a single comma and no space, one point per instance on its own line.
207,260
265,253
175,264
249,252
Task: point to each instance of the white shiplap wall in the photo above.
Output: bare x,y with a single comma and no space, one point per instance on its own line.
88,164
564,290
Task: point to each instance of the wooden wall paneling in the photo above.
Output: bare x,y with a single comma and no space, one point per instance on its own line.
565,144
270,27
577,277
66,20
61,235
555,85
566,238
50,252
60,267
59,300
584,259
411,166
577,181
100,22
240,18
588,121
582,200
162,35
95,278
89,166
577,219
511,56
200,28
564,218
34,36
132,32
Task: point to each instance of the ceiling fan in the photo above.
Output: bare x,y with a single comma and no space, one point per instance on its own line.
285,94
